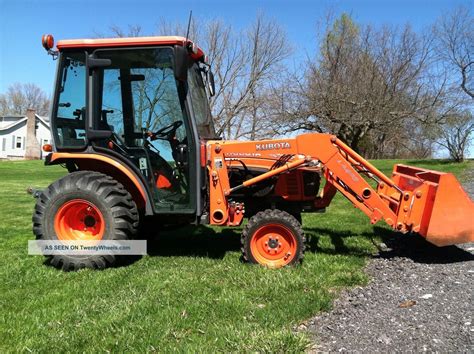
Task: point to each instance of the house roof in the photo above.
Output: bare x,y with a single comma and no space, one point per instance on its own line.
19,119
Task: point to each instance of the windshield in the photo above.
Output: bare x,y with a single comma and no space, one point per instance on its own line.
200,103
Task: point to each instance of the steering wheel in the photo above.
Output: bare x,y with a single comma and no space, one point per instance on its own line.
168,131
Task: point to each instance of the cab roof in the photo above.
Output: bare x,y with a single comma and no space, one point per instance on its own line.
120,42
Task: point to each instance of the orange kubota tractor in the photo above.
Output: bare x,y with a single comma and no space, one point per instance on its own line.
130,121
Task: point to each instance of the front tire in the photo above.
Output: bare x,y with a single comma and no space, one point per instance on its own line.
85,205
274,239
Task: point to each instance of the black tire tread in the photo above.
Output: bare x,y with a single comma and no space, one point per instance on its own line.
118,199
272,215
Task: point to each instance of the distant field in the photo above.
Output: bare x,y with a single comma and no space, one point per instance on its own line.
191,293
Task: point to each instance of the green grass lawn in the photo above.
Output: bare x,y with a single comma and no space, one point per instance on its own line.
190,294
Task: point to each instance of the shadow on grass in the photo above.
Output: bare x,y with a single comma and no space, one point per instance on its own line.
337,239
430,162
410,246
202,241
182,241
194,241
418,249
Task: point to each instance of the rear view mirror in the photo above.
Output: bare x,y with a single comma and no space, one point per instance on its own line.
211,84
93,134
137,77
94,63
132,77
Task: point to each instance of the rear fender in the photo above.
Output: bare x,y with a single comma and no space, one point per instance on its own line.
111,167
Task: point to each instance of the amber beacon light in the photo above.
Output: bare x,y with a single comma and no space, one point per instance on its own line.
47,41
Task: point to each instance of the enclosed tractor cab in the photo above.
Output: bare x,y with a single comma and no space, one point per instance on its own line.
131,122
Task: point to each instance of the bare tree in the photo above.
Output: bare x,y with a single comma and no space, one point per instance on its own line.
117,31
19,97
364,84
455,45
456,134
265,51
3,105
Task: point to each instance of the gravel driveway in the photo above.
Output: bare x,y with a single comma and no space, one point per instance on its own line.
420,298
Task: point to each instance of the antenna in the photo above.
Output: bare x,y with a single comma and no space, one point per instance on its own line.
189,26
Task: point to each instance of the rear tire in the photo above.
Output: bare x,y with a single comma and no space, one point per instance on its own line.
273,238
111,215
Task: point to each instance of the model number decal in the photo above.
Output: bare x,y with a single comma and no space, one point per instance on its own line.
243,154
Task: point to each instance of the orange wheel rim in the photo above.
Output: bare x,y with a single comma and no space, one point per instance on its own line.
273,245
79,219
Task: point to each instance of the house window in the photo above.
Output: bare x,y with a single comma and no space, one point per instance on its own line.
18,142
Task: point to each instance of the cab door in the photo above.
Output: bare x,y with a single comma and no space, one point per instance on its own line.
140,100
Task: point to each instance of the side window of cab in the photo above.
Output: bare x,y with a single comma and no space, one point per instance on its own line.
71,104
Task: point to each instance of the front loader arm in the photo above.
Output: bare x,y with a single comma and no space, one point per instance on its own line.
406,202
342,171
308,149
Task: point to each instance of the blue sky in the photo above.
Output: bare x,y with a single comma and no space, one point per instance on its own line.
22,22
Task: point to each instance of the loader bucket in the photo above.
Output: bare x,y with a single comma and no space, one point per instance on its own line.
439,208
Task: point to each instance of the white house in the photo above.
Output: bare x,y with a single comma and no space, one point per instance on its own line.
13,135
